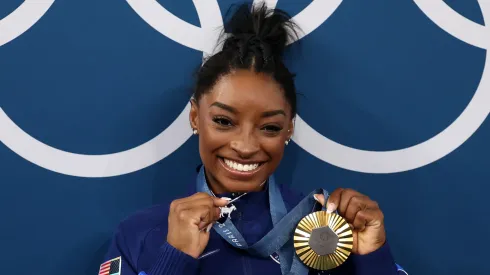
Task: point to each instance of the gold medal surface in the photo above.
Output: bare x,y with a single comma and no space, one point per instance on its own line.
323,241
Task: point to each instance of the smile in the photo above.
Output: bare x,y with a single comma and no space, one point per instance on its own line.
241,168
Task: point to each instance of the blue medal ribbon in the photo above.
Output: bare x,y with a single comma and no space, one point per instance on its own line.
280,238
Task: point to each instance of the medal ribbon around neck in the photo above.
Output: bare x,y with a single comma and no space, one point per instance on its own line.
280,238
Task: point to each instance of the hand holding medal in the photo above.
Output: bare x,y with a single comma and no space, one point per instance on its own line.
363,215
323,240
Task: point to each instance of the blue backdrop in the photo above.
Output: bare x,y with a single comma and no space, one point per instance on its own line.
393,103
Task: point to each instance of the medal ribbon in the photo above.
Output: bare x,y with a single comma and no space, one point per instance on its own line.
280,238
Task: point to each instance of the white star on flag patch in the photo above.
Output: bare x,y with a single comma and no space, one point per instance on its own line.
111,267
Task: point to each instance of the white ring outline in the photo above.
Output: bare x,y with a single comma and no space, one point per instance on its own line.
430,150
177,29
454,23
321,147
107,165
310,18
22,19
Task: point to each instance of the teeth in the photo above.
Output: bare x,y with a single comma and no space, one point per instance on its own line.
241,167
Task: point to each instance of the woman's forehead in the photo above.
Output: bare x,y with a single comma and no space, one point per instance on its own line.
244,89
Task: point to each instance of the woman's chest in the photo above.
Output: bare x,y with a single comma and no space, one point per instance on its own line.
224,259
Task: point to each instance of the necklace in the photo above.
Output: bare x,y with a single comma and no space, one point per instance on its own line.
226,210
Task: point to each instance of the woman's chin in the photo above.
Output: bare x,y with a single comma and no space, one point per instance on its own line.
241,187
234,185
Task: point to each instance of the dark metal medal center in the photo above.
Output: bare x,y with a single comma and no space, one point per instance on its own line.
323,241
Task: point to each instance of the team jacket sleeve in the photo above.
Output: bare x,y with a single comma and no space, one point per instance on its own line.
169,261
379,262
119,250
174,262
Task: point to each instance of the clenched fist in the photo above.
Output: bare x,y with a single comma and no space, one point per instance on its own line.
190,220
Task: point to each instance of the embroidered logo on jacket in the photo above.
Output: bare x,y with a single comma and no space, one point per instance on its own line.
275,257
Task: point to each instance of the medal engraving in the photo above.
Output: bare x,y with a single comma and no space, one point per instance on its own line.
323,241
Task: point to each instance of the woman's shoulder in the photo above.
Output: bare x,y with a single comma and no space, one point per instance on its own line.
152,217
131,235
145,219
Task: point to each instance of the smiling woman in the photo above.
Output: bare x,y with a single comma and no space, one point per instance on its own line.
243,123
243,110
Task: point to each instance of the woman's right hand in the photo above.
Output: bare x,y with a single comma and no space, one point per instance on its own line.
190,220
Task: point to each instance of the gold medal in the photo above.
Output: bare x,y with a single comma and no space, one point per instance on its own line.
323,241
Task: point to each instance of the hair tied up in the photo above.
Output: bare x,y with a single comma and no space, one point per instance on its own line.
253,43
254,38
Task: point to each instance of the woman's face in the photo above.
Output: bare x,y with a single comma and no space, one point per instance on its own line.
242,122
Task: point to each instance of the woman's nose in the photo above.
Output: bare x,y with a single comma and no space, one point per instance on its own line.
245,145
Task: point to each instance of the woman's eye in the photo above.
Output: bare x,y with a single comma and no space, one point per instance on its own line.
272,128
222,121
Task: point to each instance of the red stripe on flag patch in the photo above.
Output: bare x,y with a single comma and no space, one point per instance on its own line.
105,268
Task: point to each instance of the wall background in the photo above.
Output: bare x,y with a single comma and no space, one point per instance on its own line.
91,79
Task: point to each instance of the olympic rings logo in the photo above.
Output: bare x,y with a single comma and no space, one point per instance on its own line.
202,39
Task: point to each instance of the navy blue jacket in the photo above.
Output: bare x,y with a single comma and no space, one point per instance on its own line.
140,242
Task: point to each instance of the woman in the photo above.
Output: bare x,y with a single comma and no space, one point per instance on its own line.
242,110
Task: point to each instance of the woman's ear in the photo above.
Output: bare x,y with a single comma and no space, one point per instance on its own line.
290,129
194,116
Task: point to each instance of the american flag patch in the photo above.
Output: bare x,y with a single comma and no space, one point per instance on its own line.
111,267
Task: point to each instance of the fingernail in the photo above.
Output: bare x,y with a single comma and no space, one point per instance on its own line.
209,228
314,196
330,207
225,198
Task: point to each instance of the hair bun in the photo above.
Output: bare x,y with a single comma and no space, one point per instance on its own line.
254,39
259,30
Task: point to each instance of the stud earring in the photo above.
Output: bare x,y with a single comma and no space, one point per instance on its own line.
194,132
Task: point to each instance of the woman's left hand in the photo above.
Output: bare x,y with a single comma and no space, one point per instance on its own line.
362,214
